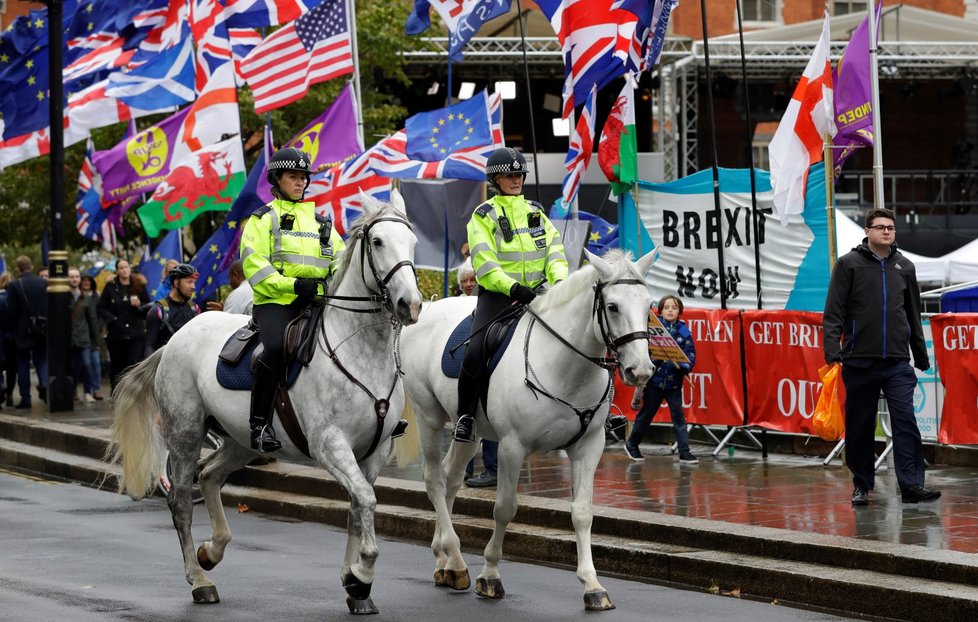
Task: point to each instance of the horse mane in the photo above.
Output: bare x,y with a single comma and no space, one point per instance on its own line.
582,280
363,221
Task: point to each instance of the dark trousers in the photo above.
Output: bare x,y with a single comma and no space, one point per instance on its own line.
272,320
9,365
123,354
489,306
490,450
864,379
39,354
651,400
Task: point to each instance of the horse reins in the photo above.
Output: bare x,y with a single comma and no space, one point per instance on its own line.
381,405
608,363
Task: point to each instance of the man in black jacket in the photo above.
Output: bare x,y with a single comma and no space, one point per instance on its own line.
27,312
873,309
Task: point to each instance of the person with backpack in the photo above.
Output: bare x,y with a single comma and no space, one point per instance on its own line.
168,315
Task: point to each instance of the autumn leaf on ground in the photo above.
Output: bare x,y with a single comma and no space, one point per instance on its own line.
714,587
242,508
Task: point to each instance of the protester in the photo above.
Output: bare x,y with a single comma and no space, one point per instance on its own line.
288,252
242,297
515,248
665,384
27,307
125,324
8,353
165,317
163,287
873,309
466,279
90,291
84,324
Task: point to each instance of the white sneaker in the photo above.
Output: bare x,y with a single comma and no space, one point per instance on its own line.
89,399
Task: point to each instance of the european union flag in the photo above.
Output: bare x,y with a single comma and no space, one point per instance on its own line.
24,76
434,135
168,248
604,235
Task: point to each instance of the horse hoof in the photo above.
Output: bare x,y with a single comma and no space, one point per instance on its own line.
489,588
206,595
458,579
361,607
440,578
357,590
202,559
598,601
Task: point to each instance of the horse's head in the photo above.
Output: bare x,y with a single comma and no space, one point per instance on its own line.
622,302
388,242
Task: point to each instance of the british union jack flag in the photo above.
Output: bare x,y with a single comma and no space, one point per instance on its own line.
581,148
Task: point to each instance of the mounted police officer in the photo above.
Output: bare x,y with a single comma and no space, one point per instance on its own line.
288,252
514,248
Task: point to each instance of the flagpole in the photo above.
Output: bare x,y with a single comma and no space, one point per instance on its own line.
750,157
716,168
351,12
830,199
878,198
529,99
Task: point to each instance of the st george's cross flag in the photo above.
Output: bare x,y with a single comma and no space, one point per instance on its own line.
797,143
312,49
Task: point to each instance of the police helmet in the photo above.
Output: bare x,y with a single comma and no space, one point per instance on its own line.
504,160
182,271
288,159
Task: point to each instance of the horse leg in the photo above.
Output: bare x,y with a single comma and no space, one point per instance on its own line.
584,460
338,459
214,471
354,527
456,574
511,454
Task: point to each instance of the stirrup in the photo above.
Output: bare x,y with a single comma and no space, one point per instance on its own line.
263,439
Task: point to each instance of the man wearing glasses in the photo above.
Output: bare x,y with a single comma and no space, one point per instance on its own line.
872,325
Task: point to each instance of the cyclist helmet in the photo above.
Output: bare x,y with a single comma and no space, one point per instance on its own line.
183,271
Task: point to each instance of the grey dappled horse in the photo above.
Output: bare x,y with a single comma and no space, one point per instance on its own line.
376,277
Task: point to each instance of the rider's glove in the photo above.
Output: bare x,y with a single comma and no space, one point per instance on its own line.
521,293
306,289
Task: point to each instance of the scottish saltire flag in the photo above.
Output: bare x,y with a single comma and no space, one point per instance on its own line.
600,40
337,192
433,135
581,147
852,96
168,248
464,18
389,156
604,235
165,80
329,140
240,13
203,181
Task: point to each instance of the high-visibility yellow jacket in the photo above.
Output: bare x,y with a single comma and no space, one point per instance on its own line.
530,252
281,242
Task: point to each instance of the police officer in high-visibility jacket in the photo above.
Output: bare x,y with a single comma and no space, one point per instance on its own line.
288,252
514,249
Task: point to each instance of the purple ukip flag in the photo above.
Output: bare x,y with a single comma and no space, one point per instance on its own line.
329,140
138,164
852,96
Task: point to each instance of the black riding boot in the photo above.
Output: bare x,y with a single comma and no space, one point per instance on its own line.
463,428
262,404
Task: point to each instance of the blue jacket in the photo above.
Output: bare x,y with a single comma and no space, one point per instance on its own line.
667,376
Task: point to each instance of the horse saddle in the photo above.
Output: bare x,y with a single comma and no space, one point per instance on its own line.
498,337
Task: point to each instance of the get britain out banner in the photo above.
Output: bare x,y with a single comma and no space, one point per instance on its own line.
679,219
955,338
714,393
783,352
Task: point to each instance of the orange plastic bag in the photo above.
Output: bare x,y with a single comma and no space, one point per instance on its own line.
829,422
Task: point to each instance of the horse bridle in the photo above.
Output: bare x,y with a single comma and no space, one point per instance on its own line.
382,404
609,363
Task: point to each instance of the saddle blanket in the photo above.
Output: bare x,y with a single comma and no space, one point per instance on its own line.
451,363
239,377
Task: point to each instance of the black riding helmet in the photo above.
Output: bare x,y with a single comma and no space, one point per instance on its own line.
504,160
288,159
182,271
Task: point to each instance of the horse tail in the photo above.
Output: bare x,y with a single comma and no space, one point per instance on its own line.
136,440
407,448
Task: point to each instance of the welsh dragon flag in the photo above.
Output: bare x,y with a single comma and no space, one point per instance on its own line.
206,180
618,148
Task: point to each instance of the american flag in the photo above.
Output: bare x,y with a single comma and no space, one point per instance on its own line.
581,147
337,192
389,156
312,49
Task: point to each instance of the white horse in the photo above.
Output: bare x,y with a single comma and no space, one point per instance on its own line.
602,307
341,402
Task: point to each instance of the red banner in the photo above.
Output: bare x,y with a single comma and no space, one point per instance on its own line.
783,351
715,395
956,350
